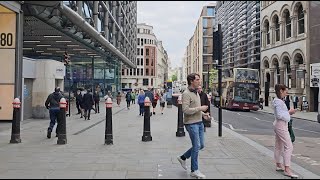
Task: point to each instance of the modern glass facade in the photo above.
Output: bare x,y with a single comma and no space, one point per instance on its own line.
240,25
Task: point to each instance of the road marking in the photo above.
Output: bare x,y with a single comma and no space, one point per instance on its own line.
315,164
306,130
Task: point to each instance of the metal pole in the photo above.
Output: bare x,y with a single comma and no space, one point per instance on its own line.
146,123
62,130
318,117
180,130
208,80
69,99
92,73
220,77
108,136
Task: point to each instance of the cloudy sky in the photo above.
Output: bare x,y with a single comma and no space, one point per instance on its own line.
173,23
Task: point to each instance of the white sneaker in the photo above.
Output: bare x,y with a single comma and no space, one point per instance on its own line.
197,174
182,162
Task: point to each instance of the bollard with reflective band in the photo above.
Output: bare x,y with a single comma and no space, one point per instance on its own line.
180,128
146,123
61,120
15,132
108,136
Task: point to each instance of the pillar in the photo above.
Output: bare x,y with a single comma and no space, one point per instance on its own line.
293,76
272,77
281,75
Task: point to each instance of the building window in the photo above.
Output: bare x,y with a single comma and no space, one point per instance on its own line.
122,72
277,27
151,72
141,71
147,61
138,61
130,72
300,20
267,28
141,41
147,52
127,72
145,82
210,11
147,72
138,41
141,51
141,62
145,41
138,71
288,24
151,62
134,72
138,51
151,82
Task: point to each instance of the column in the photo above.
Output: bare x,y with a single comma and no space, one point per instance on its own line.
281,75
95,14
263,37
272,35
272,77
293,76
294,27
282,31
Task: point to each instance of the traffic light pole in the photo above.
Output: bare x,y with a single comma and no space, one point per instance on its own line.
217,55
220,77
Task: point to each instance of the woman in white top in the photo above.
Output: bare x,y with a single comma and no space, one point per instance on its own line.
283,144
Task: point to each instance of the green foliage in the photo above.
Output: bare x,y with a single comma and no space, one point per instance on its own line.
213,76
174,77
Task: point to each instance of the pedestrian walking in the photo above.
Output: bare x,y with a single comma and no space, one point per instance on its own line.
96,99
295,100
118,98
287,101
78,101
150,95
128,99
155,102
52,103
141,98
162,101
88,102
204,101
283,144
133,98
193,112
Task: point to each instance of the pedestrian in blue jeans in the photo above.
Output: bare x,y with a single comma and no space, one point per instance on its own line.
52,103
193,112
141,98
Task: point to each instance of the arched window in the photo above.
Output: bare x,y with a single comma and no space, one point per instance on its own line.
288,23
277,27
266,26
300,20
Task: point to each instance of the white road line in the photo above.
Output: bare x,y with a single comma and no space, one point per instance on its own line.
306,130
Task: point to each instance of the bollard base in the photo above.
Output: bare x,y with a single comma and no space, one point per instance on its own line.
62,139
108,142
180,133
15,138
146,138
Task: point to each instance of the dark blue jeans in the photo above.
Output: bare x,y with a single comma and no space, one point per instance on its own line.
141,108
54,112
196,133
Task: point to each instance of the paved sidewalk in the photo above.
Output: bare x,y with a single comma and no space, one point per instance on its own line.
311,116
86,156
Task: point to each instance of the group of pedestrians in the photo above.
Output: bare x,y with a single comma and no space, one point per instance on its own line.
85,101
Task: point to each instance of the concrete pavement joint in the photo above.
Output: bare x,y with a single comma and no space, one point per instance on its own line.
81,131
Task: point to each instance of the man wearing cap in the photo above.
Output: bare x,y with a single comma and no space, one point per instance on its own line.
52,103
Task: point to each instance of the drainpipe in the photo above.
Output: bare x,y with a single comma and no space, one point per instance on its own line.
75,18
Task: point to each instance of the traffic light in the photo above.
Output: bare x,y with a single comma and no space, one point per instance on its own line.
216,45
66,58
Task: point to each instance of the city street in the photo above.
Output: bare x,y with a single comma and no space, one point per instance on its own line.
257,126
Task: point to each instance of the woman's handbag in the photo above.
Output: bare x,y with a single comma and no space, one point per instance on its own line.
292,136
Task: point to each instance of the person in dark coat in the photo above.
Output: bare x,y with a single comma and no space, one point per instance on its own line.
287,102
96,99
52,103
204,101
88,102
78,101
128,99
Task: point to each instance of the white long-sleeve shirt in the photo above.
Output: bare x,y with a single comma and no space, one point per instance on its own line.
280,110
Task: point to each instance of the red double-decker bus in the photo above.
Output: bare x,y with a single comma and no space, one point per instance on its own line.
242,90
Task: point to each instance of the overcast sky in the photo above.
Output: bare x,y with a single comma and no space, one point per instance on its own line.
173,23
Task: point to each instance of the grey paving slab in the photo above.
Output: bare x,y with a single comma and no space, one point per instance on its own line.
86,156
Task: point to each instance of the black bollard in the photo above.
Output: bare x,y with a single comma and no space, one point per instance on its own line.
61,120
146,123
108,137
15,133
180,128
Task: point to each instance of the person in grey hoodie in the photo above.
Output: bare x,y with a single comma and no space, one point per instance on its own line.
52,103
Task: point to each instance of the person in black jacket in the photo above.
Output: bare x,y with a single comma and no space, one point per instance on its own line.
78,101
204,101
88,102
96,99
52,103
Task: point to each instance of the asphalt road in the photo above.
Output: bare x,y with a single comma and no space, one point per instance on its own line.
258,126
